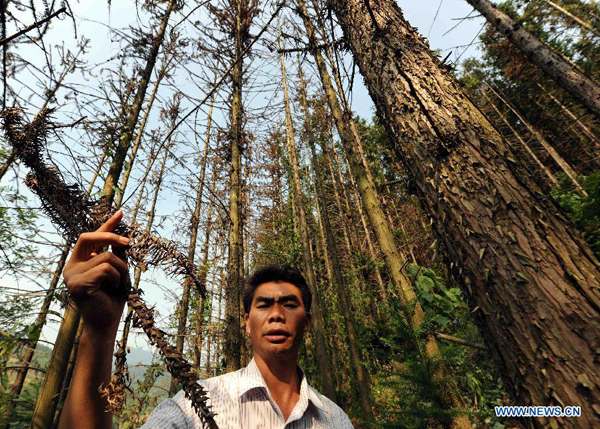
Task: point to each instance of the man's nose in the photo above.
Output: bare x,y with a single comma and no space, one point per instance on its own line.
277,314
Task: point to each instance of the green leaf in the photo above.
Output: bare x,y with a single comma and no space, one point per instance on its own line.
412,270
425,283
441,320
427,296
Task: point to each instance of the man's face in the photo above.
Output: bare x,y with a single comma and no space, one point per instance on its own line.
277,319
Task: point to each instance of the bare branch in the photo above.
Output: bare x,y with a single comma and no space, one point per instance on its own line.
32,26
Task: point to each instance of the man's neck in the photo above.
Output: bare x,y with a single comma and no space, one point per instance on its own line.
281,377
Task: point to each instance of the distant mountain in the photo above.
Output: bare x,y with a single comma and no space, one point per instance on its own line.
139,356
137,360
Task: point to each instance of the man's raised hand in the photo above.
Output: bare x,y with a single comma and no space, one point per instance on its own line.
94,278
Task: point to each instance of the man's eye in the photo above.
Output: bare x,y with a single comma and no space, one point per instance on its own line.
291,305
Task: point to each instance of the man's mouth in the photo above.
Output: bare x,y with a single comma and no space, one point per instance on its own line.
276,335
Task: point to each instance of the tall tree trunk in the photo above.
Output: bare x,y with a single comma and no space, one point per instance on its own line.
318,327
182,312
351,144
521,264
68,375
341,201
4,4
588,133
366,188
47,401
553,64
524,144
245,345
204,266
209,330
233,332
334,340
361,211
116,166
339,283
138,138
562,163
219,348
137,275
370,247
581,22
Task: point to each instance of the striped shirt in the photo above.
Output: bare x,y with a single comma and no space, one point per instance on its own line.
242,400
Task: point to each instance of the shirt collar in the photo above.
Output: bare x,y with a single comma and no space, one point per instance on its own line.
251,378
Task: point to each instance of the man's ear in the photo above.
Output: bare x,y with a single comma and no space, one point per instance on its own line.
247,320
308,322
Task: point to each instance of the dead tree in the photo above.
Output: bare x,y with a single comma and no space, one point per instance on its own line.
553,64
182,312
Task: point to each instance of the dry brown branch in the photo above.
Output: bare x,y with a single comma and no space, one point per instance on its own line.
177,365
74,213
32,26
119,382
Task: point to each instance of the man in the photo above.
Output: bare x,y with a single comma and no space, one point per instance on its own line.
271,392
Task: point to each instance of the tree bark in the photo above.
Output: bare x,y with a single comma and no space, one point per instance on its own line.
339,283
219,347
341,201
204,266
209,332
138,139
137,274
366,284
151,216
553,64
530,278
68,375
40,321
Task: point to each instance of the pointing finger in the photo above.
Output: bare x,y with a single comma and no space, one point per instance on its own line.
89,242
111,223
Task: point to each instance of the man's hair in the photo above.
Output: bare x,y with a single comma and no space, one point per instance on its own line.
276,273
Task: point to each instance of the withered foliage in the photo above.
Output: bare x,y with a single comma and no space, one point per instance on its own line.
74,213
119,382
67,205
176,364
